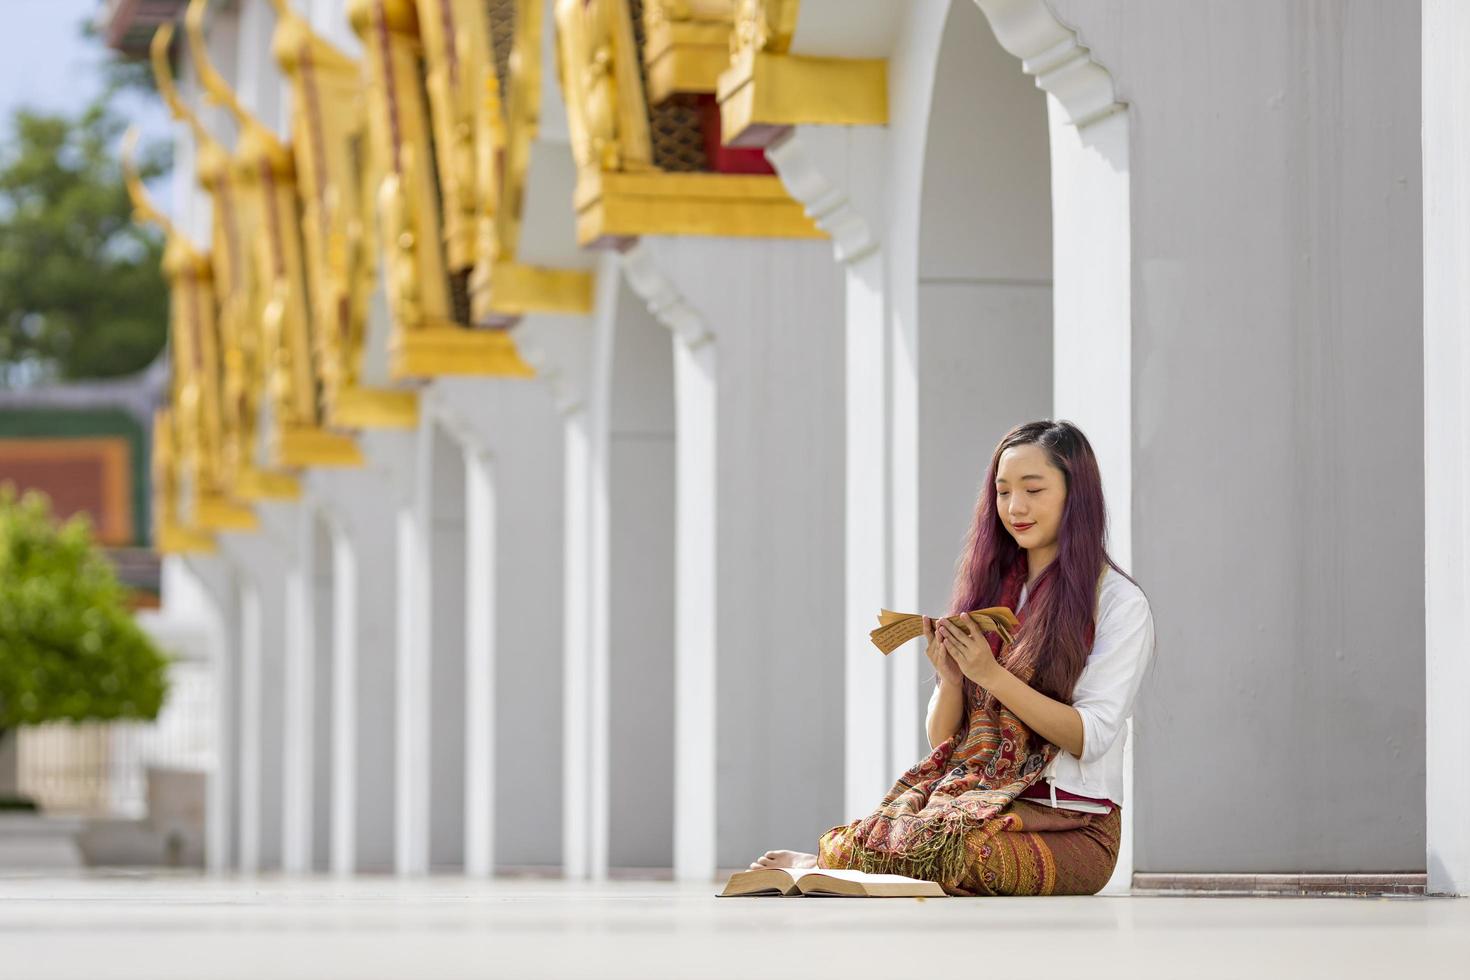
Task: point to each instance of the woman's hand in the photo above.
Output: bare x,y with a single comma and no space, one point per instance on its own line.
965,643
934,649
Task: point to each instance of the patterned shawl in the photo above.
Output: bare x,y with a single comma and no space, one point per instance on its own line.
919,828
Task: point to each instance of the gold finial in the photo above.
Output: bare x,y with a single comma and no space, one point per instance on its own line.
163,75
180,257
215,86
213,158
143,207
258,143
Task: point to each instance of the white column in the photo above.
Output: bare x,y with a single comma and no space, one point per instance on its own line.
480,655
904,474
560,349
202,591
358,679
697,493
411,850
344,612
631,581
220,821
1446,66
838,174
596,659
1093,302
300,651
1093,338
249,714
578,749
1092,269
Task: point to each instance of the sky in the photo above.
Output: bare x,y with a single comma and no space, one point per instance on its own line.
45,63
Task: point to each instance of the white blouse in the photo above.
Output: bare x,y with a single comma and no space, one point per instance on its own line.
1123,644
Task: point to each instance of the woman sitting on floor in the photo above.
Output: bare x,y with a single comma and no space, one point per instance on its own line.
1023,790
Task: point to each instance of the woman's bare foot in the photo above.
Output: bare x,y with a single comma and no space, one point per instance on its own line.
784,859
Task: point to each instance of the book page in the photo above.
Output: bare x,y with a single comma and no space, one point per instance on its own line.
743,882
850,875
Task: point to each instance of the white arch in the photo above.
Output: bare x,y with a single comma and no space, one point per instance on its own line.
1052,53
864,186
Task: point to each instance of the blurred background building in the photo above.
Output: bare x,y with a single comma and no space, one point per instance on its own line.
559,387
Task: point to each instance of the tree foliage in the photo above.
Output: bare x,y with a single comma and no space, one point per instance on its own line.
69,647
81,293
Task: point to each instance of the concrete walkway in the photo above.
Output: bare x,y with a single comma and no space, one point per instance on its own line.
161,927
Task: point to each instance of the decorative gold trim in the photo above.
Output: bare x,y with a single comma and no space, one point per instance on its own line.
267,171
189,438
607,117
520,289
258,484
687,45
300,447
237,296
762,94
456,46
510,122
174,539
764,25
337,174
375,408
215,513
620,194
454,350
503,290
407,202
171,535
620,206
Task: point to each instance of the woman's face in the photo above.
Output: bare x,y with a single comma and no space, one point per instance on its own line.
1029,494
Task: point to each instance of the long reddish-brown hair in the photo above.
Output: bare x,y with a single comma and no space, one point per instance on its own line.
1053,644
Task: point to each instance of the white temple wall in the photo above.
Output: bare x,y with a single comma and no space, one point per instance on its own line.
324,778
353,617
1446,90
759,403
307,697
1277,372
560,348
202,592
514,580
633,585
259,559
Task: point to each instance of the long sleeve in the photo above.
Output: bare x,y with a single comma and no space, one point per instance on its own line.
1122,647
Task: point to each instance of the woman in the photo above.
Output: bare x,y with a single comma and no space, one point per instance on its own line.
1023,792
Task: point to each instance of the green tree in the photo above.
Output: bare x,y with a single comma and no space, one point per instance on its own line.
69,647
81,294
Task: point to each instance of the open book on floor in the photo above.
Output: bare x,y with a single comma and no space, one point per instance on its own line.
827,882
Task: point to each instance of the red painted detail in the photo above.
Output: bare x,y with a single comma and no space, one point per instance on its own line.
727,159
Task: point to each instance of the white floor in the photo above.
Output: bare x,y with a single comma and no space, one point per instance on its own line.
162,927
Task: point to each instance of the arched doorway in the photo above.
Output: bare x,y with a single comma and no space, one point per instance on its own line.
444,633
633,585
984,290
